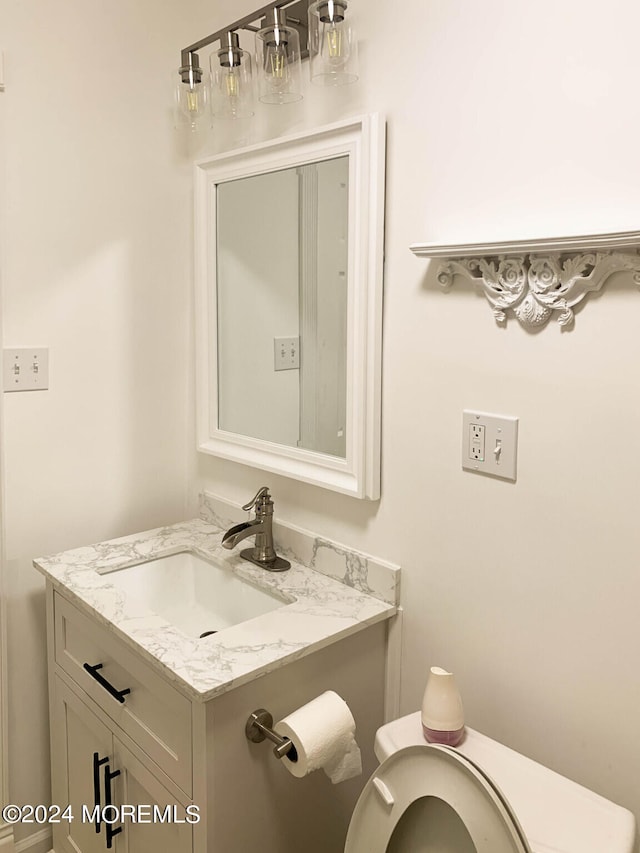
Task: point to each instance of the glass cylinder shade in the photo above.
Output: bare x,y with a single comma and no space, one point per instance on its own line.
278,61
231,80
192,94
332,46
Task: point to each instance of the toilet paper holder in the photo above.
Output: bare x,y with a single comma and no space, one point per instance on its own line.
260,726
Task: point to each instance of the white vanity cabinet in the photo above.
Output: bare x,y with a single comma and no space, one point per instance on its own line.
132,749
121,730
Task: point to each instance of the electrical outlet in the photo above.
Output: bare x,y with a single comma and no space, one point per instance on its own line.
489,444
25,369
286,352
476,442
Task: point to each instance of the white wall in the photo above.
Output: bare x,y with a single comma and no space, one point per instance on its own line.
97,268
6,832
504,120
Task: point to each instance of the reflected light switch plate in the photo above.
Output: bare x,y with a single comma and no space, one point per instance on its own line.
286,353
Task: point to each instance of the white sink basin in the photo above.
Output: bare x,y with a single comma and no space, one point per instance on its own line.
193,594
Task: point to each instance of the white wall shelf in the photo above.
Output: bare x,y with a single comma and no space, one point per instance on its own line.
538,278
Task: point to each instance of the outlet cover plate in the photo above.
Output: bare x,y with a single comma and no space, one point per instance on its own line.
499,444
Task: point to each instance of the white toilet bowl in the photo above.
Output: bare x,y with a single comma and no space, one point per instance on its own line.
478,798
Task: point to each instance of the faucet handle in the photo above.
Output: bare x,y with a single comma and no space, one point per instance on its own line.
261,499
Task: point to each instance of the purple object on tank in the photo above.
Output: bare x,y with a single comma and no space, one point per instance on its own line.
447,738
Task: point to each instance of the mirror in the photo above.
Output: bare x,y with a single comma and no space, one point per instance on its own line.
289,238
288,296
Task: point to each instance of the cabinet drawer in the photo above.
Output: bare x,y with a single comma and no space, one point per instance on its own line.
153,713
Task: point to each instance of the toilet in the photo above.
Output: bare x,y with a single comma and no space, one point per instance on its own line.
480,797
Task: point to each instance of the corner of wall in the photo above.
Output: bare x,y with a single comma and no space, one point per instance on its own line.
6,833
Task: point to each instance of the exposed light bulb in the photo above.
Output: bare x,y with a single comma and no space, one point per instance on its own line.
231,83
334,42
276,61
334,47
192,101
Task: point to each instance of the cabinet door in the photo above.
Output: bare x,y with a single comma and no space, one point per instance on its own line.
81,749
159,821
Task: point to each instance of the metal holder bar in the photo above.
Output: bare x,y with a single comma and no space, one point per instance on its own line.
260,726
243,23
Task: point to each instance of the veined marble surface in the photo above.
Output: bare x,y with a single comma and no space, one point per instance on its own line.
322,609
361,571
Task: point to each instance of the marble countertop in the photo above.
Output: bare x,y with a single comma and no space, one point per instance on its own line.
322,609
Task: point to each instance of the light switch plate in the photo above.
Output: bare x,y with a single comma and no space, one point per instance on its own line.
489,444
286,353
25,369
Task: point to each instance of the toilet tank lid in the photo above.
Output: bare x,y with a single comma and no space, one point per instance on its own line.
557,815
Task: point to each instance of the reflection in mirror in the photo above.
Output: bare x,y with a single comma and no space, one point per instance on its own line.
282,261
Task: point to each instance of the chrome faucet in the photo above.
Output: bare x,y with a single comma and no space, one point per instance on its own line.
263,554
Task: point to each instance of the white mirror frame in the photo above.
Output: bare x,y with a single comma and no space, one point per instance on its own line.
363,140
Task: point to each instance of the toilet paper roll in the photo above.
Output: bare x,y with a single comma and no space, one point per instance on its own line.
323,733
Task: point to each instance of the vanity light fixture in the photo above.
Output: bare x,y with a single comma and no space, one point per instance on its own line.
192,91
278,60
231,79
285,34
332,48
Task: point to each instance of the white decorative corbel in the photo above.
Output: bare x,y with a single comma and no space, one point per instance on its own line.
535,285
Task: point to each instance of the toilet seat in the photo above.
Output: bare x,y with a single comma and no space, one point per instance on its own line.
429,791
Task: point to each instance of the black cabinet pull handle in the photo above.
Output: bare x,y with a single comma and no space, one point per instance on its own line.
102,681
108,776
97,764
